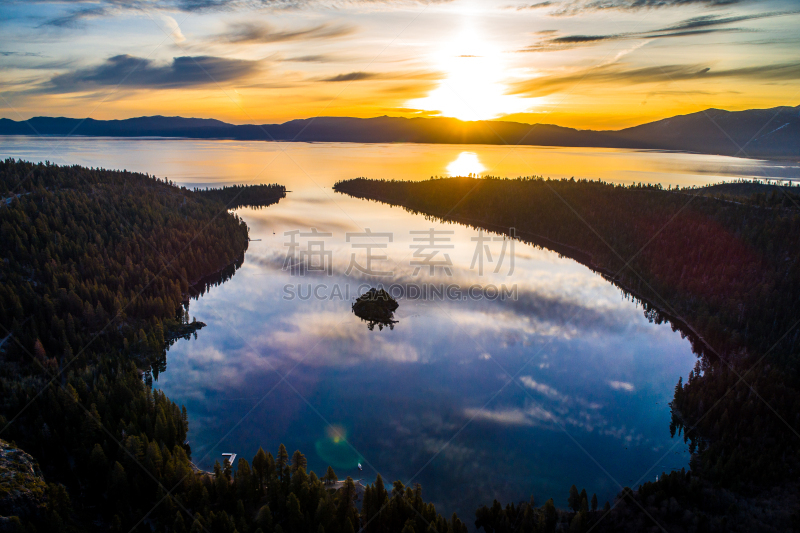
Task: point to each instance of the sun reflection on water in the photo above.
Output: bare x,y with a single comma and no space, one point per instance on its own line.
465,164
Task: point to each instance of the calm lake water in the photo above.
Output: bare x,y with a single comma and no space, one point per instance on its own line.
475,399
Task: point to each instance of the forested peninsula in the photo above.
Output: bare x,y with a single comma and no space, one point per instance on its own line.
96,271
722,264
98,268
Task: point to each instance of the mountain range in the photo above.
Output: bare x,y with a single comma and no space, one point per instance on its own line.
751,133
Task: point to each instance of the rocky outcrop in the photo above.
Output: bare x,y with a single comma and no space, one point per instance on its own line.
22,486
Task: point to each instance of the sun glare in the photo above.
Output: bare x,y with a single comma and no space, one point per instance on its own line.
474,88
465,164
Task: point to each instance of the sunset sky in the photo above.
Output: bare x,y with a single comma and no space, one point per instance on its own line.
580,63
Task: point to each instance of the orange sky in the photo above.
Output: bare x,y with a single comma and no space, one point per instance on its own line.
578,63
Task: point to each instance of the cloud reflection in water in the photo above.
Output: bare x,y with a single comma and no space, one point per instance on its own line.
571,338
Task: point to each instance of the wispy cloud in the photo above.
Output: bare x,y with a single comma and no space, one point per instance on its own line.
77,17
621,73
19,54
622,385
531,416
537,5
174,30
693,26
86,9
578,7
259,33
705,21
314,58
353,76
589,420
231,5
398,75
541,388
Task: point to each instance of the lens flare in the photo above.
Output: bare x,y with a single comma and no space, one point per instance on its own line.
336,433
335,450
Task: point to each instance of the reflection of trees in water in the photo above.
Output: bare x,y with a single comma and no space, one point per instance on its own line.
376,307
204,284
156,358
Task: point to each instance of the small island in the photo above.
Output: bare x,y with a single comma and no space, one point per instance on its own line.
376,307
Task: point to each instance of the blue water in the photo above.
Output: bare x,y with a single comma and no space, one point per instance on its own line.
563,382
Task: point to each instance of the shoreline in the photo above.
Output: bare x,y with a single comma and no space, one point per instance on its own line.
207,279
787,158
585,259
582,257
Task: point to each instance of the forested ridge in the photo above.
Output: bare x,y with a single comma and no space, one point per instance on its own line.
97,269
727,272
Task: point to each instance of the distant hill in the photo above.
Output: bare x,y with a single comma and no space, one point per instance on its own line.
157,126
757,132
754,192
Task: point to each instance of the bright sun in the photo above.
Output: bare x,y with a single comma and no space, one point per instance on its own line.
473,88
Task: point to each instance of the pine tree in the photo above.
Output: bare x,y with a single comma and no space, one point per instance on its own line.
409,526
298,461
281,465
578,523
330,476
178,525
550,515
264,518
574,500
295,517
260,466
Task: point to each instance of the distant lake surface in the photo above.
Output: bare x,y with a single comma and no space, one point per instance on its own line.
475,398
